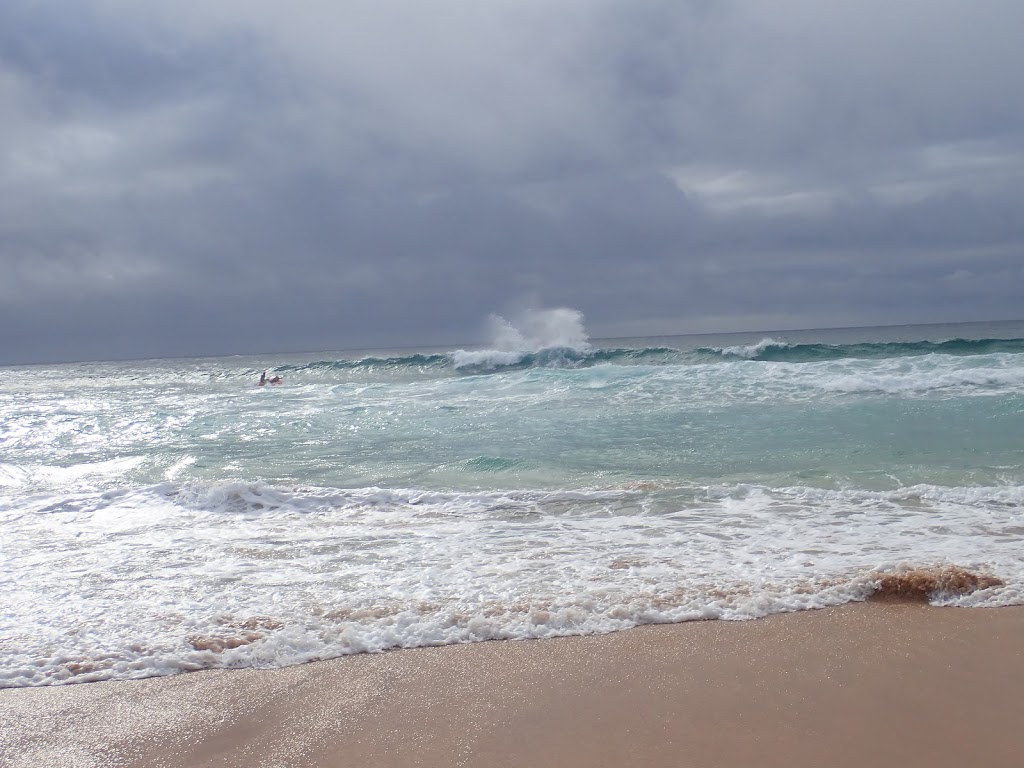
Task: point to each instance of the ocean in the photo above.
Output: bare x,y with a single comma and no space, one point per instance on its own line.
163,516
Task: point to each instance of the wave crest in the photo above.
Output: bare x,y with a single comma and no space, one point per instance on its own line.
774,350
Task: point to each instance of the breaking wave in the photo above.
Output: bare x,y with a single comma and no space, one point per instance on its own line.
557,338
773,350
497,359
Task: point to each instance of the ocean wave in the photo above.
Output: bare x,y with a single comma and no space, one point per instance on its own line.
491,360
972,380
774,350
496,360
369,363
226,639
290,574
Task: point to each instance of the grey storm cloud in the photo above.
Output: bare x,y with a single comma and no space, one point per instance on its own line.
235,177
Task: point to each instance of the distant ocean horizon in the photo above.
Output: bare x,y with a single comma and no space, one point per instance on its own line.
161,516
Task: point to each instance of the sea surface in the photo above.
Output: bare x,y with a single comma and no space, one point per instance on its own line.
170,515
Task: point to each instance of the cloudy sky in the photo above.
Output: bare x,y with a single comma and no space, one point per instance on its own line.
229,176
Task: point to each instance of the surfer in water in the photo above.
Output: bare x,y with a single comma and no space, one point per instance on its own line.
264,380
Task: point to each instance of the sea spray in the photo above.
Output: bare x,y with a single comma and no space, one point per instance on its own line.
536,336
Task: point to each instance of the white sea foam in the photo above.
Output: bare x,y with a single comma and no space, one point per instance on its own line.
750,351
12,475
169,578
921,376
487,358
976,381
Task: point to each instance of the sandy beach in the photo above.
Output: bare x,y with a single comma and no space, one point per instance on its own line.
879,683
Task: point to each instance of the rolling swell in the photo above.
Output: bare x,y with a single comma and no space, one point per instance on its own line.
771,350
488,361
369,363
767,350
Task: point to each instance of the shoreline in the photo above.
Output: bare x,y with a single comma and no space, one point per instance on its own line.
886,682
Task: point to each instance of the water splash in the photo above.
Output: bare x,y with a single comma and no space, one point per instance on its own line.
535,329
552,335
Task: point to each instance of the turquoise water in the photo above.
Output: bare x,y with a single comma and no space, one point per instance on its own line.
161,516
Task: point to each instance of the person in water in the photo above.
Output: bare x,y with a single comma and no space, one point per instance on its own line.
264,380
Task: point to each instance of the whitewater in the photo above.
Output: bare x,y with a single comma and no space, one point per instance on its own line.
163,516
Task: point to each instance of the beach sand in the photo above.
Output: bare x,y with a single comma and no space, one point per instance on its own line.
867,684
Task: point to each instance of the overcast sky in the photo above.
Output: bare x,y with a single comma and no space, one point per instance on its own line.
241,176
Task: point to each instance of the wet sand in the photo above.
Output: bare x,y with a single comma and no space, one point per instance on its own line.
879,684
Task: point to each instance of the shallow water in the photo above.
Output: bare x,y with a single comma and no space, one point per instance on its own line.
161,516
